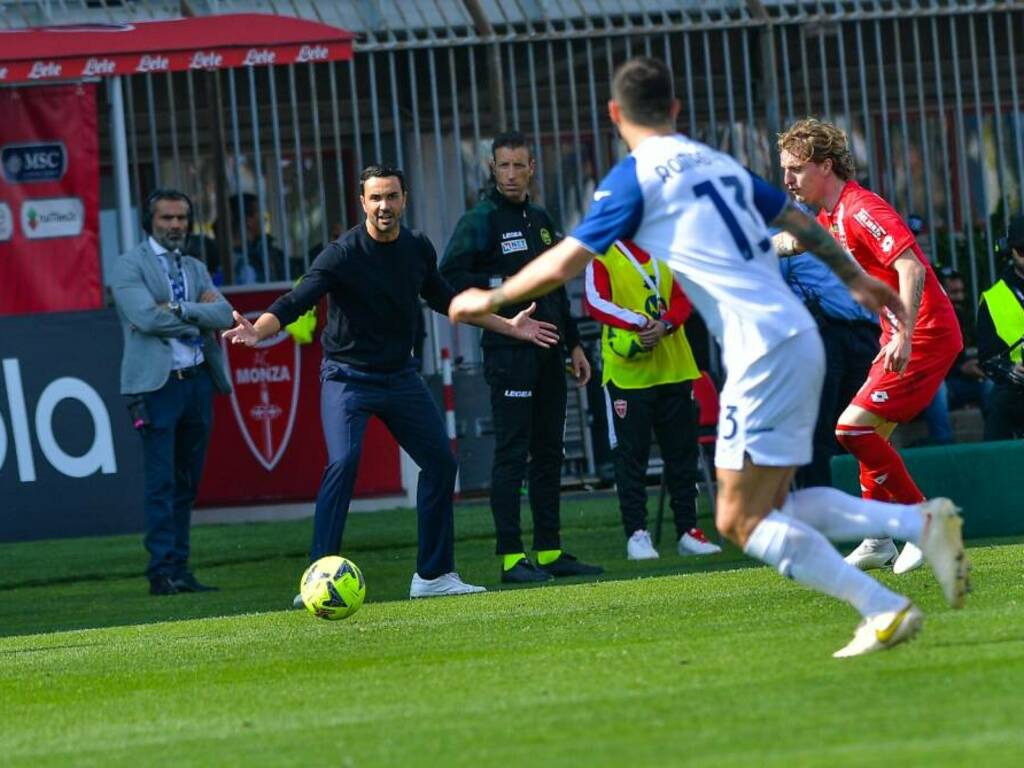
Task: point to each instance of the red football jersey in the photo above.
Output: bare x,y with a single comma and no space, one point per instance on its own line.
875,234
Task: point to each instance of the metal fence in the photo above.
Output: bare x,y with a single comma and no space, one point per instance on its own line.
930,92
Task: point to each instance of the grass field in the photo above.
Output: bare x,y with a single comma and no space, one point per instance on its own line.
672,662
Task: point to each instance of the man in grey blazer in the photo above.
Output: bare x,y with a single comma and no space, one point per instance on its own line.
172,362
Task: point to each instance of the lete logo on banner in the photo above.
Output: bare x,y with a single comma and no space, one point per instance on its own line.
265,393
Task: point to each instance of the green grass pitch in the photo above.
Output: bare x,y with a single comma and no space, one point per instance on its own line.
673,662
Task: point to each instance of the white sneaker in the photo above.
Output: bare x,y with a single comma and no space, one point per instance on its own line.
910,559
873,553
694,542
297,602
445,584
943,547
883,631
639,547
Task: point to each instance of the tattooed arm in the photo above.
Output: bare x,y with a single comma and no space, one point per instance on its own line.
808,234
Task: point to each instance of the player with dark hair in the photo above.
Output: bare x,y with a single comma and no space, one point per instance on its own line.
916,352
374,276
707,217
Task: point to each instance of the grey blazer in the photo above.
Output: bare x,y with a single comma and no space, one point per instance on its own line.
139,285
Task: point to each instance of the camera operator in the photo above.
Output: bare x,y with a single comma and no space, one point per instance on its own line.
1000,331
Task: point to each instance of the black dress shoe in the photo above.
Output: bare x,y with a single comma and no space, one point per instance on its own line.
188,583
567,565
162,585
524,572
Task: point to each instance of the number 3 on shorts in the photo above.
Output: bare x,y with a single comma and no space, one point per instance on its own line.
730,419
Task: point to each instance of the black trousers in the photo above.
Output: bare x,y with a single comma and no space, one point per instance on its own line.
849,349
669,410
1005,417
528,393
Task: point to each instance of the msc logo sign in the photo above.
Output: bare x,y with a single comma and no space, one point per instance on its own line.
24,163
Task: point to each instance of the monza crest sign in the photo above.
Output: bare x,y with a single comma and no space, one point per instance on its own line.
265,393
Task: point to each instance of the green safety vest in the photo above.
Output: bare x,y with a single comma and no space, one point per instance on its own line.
1007,315
627,364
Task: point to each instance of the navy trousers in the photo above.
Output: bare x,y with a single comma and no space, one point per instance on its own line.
348,398
173,452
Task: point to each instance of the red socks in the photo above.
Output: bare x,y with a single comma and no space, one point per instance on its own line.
883,475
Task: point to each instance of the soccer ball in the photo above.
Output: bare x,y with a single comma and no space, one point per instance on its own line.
332,588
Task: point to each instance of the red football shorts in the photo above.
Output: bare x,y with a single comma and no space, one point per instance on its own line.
899,397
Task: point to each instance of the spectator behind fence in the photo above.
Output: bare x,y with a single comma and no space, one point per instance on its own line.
249,258
1000,330
172,362
499,235
373,278
966,383
647,368
849,334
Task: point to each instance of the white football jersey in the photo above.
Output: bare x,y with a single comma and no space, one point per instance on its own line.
707,217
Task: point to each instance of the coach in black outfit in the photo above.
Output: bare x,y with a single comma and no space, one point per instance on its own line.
493,240
374,276
171,365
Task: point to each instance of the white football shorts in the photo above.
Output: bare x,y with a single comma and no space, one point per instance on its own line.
768,407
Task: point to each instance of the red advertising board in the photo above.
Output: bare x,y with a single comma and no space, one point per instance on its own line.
267,442
49,200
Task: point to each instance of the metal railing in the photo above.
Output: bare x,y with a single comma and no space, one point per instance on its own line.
929,90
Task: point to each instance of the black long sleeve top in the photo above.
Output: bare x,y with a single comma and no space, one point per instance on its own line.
494,240
372,297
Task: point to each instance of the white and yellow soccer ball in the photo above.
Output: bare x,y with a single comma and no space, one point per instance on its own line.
332,588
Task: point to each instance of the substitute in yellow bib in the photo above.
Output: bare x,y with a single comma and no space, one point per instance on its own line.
999,331
648,369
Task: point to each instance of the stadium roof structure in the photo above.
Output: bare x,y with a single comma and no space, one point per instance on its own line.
36,55
390,24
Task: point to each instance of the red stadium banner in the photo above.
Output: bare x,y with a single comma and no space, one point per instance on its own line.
203,42
267,442
49,199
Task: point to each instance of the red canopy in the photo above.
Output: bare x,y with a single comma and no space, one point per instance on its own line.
206,42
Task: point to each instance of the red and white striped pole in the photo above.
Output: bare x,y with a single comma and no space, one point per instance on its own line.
449,405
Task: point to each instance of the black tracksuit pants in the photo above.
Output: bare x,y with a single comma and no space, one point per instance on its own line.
668,409
528,393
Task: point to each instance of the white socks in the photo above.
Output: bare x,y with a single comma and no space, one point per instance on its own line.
841,517
803,554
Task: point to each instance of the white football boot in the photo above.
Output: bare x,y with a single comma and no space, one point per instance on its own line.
640,547
943,547
694,542
445,584
882,631
910,559
873,553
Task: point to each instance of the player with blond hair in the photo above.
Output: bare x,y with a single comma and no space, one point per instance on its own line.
916,353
